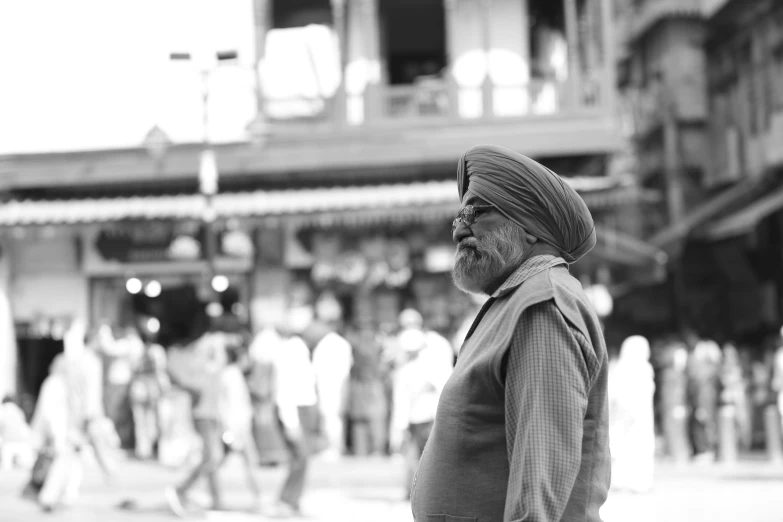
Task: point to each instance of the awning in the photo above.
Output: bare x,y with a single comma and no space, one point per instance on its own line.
424,197
723,202
745,219
625,249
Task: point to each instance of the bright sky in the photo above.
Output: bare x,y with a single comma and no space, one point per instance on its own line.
92,74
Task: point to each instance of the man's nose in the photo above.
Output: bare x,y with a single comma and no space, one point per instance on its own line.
461,232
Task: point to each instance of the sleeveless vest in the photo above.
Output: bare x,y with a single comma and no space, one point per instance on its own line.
463,473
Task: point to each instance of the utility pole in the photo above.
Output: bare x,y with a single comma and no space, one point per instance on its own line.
675,199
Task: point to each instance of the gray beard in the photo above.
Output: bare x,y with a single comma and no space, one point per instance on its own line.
481,266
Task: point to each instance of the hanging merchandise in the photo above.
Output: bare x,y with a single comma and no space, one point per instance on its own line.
352,268
399,278
327,308
237,243
323,272
377,274
398,258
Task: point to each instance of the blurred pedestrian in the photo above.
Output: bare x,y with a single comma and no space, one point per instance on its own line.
149,384
60,422
121,354
16,447
632,430
703,393
202,379
734,395
529,391
418,383
673,391
295,396
236,411
262,382
332,361
92,364
367,397
761,397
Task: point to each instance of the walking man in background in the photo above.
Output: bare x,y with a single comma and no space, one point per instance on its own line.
703,391
521,432
332,361
418,383
295,396
207,360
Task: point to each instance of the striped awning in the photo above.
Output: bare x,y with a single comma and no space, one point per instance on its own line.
440,196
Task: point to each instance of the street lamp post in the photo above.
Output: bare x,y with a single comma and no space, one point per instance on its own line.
208,171
157,144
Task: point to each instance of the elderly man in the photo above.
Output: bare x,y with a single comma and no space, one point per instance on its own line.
521,428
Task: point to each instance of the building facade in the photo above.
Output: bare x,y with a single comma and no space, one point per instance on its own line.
702,80
343,192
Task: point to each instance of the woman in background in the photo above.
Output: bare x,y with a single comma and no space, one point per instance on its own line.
632,430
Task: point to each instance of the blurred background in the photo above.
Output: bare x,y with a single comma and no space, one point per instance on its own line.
174,169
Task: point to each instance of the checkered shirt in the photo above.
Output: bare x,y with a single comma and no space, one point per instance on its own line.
546,392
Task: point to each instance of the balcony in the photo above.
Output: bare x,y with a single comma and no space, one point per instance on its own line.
390,127
647,13
433,121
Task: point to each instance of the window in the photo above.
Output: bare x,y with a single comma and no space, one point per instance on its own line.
300,13
413,39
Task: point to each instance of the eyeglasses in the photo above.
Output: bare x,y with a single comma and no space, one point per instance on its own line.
468,215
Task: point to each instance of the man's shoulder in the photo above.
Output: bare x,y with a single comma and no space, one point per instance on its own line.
545,285
556,287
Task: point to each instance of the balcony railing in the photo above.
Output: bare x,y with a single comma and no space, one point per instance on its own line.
436,98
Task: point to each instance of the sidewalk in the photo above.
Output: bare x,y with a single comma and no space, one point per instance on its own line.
349,490
369,490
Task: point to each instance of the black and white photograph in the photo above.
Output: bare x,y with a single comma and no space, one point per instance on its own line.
391,260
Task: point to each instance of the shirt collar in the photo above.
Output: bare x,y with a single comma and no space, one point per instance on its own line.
528,269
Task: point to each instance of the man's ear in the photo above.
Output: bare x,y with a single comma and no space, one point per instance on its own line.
531,239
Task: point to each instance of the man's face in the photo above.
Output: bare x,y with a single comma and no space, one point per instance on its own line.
488,249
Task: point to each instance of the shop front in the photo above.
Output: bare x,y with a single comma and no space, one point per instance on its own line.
360,254
157,276
365,274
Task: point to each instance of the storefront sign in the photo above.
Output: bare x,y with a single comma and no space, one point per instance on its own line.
162,241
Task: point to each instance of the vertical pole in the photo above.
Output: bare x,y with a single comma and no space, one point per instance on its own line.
674,192
261,12
209,217
572,40
487,87
205,138
450,10
341,97
373,91
672,160
526,29
608,48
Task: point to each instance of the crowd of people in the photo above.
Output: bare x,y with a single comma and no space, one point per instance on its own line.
305,388
693,400
292,391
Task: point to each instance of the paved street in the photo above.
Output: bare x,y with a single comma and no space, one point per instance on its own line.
366,490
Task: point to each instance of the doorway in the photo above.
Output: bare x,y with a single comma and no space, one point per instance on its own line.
413,39
170,309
